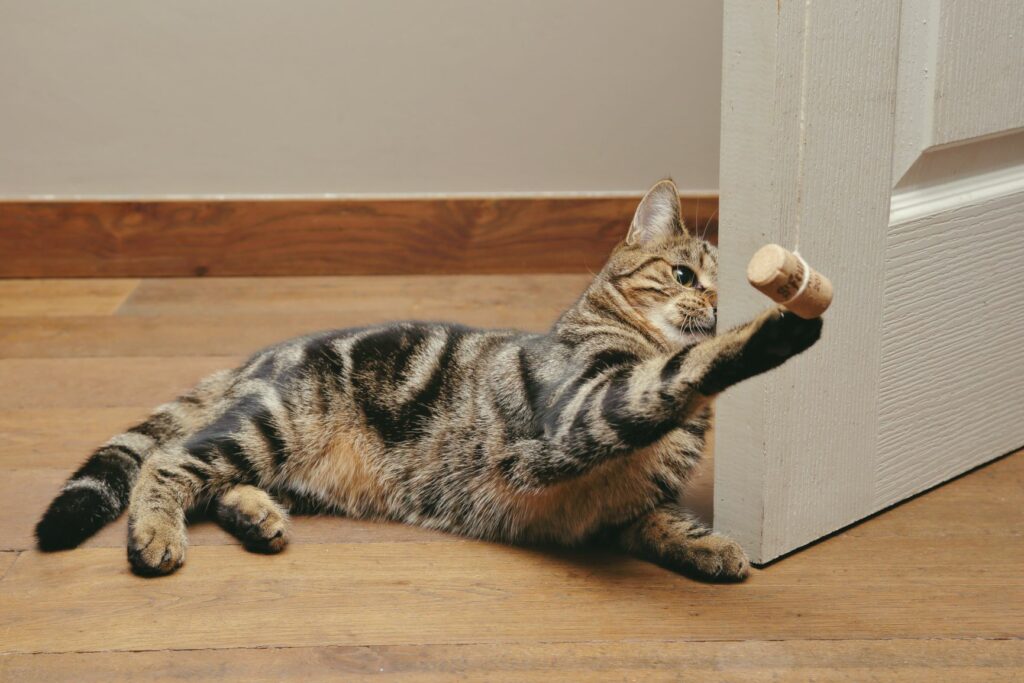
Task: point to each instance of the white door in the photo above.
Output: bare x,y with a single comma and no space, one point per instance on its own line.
885,140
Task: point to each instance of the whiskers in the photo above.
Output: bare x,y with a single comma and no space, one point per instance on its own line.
708,224
694,328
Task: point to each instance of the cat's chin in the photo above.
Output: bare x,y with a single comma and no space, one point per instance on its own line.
684,337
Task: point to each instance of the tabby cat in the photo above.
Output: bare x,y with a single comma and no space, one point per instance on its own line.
588,431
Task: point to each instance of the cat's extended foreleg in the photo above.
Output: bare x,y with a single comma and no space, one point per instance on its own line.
748,350
674,538
630,407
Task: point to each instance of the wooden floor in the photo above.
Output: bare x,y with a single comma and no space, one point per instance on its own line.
932,590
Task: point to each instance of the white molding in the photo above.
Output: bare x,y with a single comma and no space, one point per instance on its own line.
912,204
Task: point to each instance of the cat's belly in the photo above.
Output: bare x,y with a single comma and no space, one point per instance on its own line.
343,472
612,494
358,476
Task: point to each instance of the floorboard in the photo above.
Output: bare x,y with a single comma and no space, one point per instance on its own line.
101,382
6,562
438,296
60,437
907,661
357,594
63,297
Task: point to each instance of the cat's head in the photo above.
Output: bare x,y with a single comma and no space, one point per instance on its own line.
668,276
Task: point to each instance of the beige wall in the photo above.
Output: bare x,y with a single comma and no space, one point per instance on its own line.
249,97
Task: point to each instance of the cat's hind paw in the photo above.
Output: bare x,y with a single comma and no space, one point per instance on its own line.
254,518
156,544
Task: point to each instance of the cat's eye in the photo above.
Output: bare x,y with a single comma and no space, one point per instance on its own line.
684,276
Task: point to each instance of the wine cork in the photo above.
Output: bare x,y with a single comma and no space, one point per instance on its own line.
779,274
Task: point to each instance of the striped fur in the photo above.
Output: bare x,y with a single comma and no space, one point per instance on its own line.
591,429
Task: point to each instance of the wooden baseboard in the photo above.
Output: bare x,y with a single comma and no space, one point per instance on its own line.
180,238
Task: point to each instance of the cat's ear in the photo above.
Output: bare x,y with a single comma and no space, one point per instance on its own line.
657,217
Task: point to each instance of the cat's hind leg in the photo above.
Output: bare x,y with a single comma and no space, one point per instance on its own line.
674,538
242,446
167,487
252,516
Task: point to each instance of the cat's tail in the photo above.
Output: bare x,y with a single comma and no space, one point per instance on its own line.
99,491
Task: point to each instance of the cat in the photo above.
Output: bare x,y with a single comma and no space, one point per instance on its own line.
589,431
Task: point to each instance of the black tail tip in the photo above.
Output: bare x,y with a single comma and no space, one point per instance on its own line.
74,516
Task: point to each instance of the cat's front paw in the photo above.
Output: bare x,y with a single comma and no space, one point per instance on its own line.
783,335
716,557
770,341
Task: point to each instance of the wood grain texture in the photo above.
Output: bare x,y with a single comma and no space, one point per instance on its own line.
46,437
6,561
101,382
360,594
232,336
96,297
318,237
424,296
891,661
236,316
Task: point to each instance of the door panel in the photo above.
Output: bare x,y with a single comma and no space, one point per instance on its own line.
979,68
862,134
951,382
961,69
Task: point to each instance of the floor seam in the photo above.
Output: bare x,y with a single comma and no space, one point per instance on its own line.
498,643
17,556
131,295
